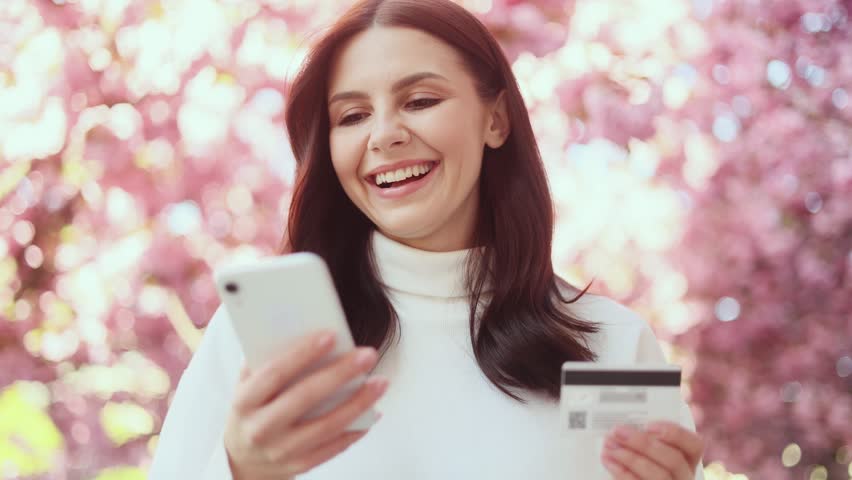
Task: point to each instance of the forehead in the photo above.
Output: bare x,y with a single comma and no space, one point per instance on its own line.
379,55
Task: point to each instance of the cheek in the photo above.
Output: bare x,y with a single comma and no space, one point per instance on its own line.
463,157
345,157
461,140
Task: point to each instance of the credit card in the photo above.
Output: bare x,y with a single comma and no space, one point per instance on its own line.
596,397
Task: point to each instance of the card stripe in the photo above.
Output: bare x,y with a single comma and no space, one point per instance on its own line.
621,377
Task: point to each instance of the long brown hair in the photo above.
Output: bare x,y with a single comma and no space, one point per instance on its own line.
524,332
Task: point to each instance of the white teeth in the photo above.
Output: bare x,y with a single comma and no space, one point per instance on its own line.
403,173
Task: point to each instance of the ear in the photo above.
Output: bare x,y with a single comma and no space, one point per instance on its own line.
497,125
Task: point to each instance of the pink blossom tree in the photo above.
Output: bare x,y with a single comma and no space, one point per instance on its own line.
142,147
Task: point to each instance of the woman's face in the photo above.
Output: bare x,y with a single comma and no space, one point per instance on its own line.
407,135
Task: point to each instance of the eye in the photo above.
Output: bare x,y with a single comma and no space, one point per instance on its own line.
417,104
422,103
352,119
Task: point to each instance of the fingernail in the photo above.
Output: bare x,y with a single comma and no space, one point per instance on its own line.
364,358
325,340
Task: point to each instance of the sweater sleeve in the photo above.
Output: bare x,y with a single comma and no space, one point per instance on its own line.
191,438
649,350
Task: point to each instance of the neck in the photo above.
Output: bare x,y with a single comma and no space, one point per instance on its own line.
420,272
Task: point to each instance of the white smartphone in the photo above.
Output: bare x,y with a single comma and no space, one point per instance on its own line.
274,301
595,397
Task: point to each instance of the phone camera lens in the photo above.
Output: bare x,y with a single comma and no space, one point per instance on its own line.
231,287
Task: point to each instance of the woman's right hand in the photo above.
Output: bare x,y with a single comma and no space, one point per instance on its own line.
263,436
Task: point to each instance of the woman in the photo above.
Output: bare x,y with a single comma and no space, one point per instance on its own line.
421,185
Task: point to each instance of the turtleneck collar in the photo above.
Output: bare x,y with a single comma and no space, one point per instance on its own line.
419,272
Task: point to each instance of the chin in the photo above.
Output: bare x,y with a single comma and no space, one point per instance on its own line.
403,231
412,228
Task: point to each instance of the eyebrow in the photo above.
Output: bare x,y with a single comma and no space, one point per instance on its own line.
397,86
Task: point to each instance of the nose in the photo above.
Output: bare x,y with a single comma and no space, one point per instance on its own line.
388,132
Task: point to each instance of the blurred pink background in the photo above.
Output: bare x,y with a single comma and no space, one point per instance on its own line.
698,151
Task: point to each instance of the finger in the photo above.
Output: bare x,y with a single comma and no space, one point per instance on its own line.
637,464
645,444
244,373
306,394
618,471
270,379
321,429
687,441
326,452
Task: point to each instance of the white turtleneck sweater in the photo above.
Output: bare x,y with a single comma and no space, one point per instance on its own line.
442,418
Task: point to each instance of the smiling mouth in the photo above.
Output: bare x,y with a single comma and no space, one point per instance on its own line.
403,176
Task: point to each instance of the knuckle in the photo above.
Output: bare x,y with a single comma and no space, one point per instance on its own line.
302,395
255,437
277,456
258,432
287,410
274,372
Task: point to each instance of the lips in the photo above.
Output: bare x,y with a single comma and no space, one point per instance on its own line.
405,187
371,175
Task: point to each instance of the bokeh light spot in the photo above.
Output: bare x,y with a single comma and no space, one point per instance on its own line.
727,309
779,74
844,366
790,392
819,473
791,456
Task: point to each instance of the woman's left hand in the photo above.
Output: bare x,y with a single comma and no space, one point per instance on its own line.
663,451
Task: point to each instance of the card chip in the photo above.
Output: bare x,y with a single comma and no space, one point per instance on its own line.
577,420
